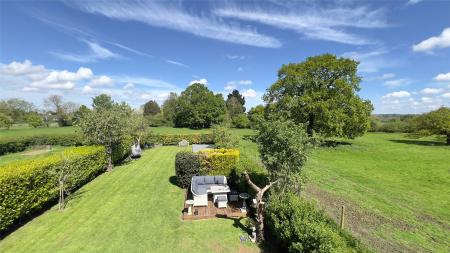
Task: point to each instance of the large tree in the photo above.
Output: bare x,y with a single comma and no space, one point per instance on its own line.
321,93
434,122
5,121
16,109
169,107
107,124
235,103
198,107
151,108
283,146
256,115
62,110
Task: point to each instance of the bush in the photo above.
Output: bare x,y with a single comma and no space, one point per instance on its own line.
173,139
218,161
187,165
17,144
27,186
241,121
297,226
224,138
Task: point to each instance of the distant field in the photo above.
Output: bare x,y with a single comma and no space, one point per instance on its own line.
27,131
396,190
29,154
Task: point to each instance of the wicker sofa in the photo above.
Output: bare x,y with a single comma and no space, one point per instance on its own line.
201,186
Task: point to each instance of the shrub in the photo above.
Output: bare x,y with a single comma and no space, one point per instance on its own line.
17,144
187,165
218,161
224,138
27,186
298,226
241,121
173,139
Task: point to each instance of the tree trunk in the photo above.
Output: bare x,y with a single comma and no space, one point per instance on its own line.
109,157
259,206
310,127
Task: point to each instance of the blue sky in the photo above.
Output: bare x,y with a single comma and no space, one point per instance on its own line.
137,50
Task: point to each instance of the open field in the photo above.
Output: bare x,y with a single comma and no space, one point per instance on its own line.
28,131
30,154
396,190
135,208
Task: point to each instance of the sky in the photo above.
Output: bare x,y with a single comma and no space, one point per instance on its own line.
137,51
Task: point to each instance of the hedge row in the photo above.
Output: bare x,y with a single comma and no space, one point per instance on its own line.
218,161
173,139
205,162
27,186
297,226
17,144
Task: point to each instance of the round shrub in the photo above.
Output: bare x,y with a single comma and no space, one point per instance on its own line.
187,165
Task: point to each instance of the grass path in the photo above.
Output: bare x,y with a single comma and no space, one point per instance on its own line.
30,154
135,208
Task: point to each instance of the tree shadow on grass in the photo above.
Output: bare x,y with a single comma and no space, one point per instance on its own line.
334,143
420,142
173,180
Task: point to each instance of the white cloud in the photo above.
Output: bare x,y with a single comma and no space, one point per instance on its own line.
442,77
177,63
428,45
446,95
370,62
322,24
249,93
87,89
412,2
202,81
387,76
128,86
230,87
426,100
236,57
431,91
173,16
96,52
21,68
397,94
101,81
398,82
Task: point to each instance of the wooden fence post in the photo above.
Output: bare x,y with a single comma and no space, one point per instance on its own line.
342,216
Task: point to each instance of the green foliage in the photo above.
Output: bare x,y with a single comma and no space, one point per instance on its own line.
224,137
109,125
173,139
235,93
187,165
284,147
17,144
434,122
16,109
169,108
241,121
298,226
235,103
5,121
151,108
156,120
321,93
34,120
28,186
218,161
198,107
256,115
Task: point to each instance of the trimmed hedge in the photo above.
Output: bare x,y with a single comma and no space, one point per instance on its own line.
187,165
27,186
297,226
17,144
173,139
219,161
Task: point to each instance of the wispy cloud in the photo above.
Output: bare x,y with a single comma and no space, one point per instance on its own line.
96,52
320,24
370,62
440,41
173,16
176,63
398,82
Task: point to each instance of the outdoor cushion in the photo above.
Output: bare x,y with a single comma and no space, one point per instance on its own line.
219,179
201,190
221,198
200,180
209,180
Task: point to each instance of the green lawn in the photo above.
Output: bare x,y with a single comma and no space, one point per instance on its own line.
27,131
29,154
397,190
135,208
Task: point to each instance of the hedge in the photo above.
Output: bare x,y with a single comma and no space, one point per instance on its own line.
297,226
27,186
17,144
173,139
187,165
218,161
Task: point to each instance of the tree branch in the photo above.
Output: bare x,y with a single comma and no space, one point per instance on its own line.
249,181
268,186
